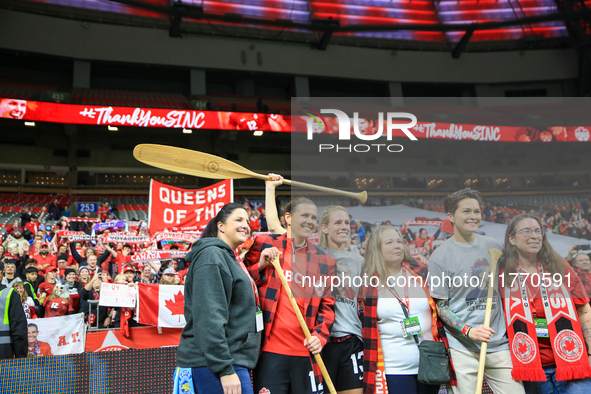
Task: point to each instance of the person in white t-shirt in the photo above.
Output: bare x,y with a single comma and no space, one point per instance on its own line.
399,289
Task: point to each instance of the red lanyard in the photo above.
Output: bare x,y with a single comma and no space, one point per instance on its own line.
254,286
406,300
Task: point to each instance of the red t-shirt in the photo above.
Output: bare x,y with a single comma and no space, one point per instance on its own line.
578,296
58,307
44,349
420,242
49,259
286,336
255,225
46,288
32,227
103,213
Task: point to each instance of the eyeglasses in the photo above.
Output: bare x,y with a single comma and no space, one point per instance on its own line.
528,232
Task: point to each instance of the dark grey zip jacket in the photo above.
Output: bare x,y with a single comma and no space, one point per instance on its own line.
220,311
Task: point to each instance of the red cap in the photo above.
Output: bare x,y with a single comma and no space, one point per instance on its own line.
43,244
50,268
128,267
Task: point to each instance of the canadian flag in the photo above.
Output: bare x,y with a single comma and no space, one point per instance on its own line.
161,305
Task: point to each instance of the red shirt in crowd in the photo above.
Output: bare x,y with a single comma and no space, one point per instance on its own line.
58,307
46,288
103,213
32,227
42,261
44,349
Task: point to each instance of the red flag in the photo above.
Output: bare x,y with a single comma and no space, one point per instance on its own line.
161,305
179,209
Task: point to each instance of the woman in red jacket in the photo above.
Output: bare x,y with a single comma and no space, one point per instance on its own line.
285,363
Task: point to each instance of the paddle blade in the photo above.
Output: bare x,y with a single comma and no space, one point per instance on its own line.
190,162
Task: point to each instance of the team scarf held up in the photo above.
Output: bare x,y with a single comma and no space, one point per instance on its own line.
564,329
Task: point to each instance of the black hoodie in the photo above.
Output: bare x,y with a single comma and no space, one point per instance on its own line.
220,311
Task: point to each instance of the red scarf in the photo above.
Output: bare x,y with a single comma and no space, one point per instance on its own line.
124,321
568,344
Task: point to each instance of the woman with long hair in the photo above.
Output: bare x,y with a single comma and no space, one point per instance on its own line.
221,297
28,303
396,293
286,353
343,354
549,340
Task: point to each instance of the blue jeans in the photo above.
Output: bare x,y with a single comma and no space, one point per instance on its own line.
408,384
206,382
552,386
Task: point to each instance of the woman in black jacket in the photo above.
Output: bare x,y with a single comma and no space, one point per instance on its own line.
221,341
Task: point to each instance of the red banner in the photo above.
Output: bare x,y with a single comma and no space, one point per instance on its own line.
452,131
140,338
220,120
179,237
142,117
148,256
176,209
126,239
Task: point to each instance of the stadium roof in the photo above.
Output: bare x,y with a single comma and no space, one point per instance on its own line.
444,25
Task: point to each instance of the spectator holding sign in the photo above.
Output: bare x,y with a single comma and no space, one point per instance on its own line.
89,252
94,312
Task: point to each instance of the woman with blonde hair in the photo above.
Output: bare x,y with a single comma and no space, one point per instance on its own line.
343,354
392,296
28,303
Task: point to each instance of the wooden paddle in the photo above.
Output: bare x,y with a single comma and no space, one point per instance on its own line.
190,162
296,309
495,254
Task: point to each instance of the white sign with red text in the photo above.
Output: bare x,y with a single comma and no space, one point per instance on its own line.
179,209
116,295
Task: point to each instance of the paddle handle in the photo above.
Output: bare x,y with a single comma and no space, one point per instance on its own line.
303,324
494,254
361,196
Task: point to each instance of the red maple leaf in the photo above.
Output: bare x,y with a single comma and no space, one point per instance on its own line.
176,307
522,348
569,345
264,390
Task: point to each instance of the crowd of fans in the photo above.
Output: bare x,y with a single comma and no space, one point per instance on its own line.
57,277
568,220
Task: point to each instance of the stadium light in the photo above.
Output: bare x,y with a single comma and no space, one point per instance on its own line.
30,124
257,133
187,131
112,128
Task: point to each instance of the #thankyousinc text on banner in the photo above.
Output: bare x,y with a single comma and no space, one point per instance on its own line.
179,209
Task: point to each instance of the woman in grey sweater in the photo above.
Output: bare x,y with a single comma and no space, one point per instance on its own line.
221,342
